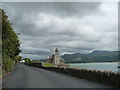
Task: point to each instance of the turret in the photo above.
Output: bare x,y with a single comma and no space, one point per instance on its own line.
56,51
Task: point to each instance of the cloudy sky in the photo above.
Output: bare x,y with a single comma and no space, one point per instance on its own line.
71,27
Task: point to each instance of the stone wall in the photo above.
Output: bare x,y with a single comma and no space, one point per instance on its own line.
108,78
39,65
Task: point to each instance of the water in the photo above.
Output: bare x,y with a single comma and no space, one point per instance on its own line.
104,66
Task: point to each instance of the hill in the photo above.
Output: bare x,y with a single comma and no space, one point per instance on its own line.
95,56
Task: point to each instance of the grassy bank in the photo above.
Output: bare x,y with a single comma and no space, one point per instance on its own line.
48,64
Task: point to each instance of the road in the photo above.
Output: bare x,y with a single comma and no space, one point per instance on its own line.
30,77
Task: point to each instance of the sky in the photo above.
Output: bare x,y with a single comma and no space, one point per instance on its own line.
72,27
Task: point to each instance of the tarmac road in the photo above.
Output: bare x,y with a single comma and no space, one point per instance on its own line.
30,77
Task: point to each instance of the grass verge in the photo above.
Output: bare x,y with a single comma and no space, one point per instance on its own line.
48,64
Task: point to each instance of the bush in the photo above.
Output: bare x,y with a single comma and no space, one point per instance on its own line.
8,64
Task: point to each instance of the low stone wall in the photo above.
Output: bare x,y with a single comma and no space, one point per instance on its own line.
108,78
39,65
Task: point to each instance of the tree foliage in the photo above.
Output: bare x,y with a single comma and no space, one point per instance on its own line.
10,43
27,60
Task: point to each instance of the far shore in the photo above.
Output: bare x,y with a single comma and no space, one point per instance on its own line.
92,62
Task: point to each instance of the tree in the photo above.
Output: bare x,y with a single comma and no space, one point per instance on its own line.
27,60
10,43
18,59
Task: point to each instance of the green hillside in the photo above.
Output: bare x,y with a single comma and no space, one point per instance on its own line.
95,56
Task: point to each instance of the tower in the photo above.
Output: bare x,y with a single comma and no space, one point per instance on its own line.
55,58
56,51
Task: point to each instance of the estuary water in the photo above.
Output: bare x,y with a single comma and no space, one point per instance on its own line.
102,66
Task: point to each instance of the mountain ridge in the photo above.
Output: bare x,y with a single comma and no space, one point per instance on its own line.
95,56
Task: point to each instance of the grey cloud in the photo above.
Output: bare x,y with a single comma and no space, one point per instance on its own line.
23,14
65,8
71,27
36,52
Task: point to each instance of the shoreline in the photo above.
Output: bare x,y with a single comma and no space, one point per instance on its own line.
91,62
97,66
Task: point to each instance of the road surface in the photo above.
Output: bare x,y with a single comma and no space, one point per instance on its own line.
30,77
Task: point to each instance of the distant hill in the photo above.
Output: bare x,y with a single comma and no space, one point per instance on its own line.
42,60
95,56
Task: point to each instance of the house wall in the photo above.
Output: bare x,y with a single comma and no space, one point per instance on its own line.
56,59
